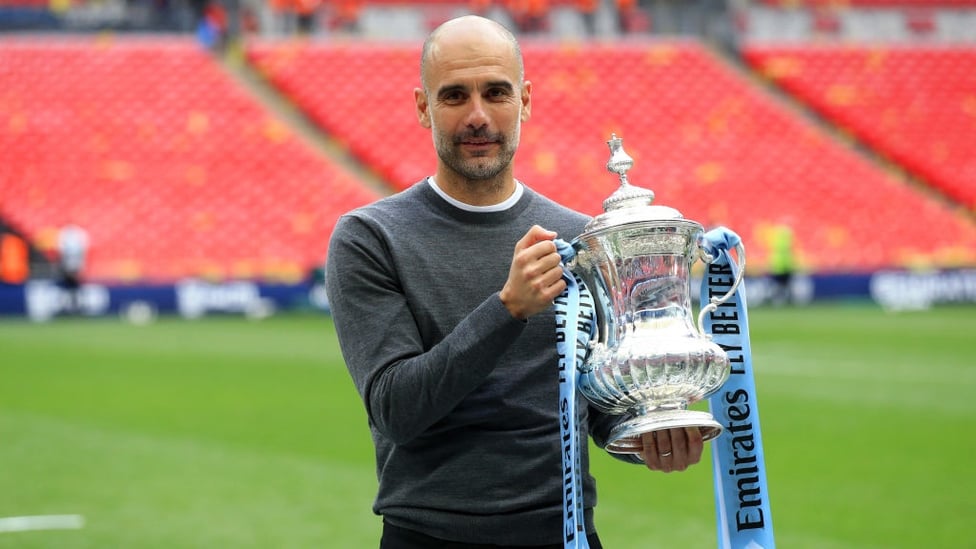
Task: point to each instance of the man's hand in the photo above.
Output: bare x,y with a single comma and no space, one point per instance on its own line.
535,277
672,449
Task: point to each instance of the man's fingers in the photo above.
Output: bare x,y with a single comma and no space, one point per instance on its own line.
658,454
539,233
670,450
535,278
533,236
696,443
544,253
665,450
541,267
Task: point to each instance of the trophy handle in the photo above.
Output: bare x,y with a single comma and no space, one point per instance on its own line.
713,303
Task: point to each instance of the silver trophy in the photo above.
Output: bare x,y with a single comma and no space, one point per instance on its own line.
647,358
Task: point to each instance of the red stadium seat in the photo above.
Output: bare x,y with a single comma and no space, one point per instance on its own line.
704,138
171,167
176,171
915,105
871,3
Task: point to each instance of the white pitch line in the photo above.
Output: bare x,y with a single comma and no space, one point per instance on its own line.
41,522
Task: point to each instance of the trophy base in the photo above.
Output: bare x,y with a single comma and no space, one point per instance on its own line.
626,437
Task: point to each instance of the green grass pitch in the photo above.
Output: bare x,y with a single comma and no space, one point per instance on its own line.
225,432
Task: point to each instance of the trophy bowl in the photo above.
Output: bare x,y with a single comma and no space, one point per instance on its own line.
647,359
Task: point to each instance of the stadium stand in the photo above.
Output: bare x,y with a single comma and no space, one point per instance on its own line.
176,170
868,3
904,22
362,94
171,166
705,139
916,105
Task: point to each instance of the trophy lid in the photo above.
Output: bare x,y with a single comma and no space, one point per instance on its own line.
629,203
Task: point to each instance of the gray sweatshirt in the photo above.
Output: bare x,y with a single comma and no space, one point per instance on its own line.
461,397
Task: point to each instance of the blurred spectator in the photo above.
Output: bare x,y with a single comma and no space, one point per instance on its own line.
479,7
630,17
58,6
782,263
14,259
212,25
587,8
530,16
305,12
297,16
345,15
198,8
72,252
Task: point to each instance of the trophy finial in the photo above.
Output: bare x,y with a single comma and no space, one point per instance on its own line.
620,163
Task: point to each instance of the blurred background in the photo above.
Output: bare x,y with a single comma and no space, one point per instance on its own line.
171,170
206,147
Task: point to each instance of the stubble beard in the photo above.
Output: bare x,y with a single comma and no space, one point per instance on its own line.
479,170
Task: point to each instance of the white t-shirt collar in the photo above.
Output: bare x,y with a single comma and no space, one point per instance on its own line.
501,206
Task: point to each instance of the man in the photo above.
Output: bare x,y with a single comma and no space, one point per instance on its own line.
442,299
782,262
72,250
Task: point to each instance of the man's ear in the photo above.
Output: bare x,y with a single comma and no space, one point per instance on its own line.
526,101
423,108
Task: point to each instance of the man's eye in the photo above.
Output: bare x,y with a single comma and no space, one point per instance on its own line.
453,97
498,93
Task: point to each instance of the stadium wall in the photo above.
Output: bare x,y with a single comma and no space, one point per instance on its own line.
42,300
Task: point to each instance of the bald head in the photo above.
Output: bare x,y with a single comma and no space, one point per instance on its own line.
471,31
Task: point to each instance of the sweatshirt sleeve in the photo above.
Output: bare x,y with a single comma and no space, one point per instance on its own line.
405,387
600,424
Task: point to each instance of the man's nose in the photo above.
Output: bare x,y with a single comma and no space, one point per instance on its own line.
477,116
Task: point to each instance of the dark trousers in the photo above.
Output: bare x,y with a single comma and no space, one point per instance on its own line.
401,538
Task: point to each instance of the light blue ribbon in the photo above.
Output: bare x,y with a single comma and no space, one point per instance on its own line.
742,506
573,331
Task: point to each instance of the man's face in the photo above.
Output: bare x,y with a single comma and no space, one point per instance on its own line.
474,103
